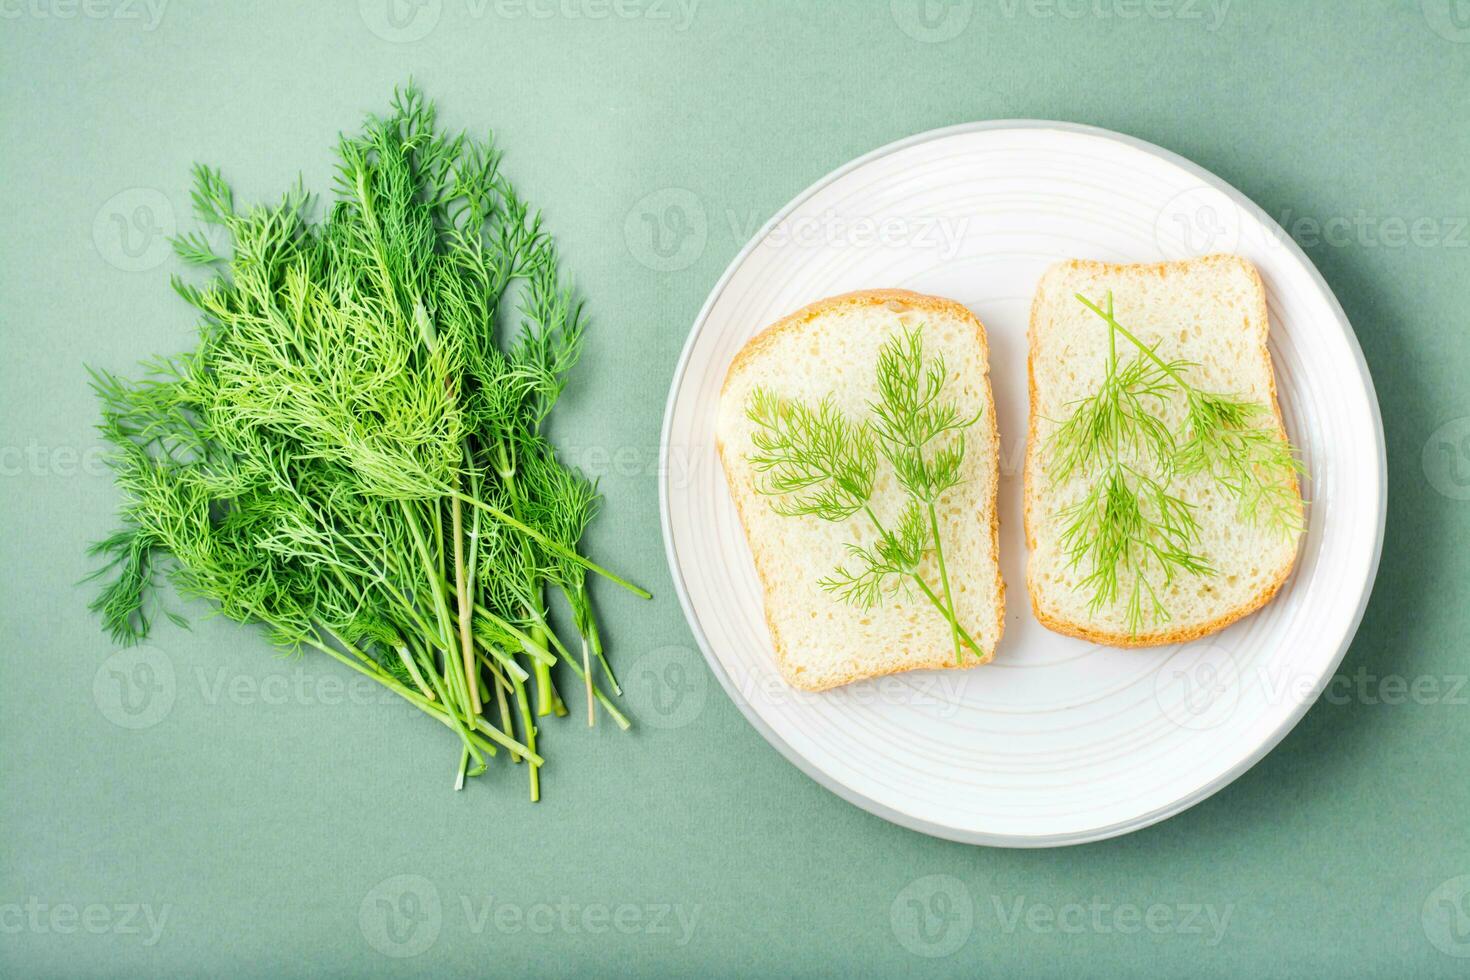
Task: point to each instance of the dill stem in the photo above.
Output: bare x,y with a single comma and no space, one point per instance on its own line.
466,613
612,679
595,635
501,685
551,545
1112,338
587,677
529,725
502,664
436,588
558,706
471,579
543,689
454,679
964,634
954,627
494,734
476,724
546,698
527,644
436,523
413,671
1147,351
457,725
444,714
602,698
946,611
547,701
501,681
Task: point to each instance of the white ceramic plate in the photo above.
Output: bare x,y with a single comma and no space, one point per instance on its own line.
1058,741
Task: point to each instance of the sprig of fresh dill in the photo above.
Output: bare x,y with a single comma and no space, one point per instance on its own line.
351,457
1238,444
1131,532
814,461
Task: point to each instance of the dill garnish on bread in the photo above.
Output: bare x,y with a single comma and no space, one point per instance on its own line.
859,441
1162,498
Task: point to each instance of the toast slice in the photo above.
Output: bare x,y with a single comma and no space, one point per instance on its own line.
1209,311
831,349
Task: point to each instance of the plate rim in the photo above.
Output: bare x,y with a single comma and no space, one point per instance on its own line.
930,828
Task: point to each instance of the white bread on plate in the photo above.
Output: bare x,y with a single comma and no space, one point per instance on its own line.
830,348
1210,311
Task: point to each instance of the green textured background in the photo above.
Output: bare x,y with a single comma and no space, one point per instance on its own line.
262,816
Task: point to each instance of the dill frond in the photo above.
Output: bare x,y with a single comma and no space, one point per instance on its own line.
1130,533
1238,444
811,459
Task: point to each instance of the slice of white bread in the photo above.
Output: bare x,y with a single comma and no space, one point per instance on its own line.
831,349
1210,311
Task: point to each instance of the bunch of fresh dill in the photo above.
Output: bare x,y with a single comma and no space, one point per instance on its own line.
1132,532
352,456
814,461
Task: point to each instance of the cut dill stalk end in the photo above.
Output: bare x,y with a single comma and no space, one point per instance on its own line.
351,458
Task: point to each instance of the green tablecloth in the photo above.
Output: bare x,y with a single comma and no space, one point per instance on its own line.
203,807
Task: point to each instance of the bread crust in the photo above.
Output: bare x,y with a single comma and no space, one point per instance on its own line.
1183,634
942,659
